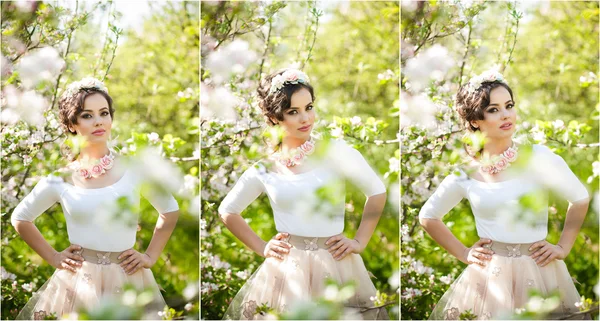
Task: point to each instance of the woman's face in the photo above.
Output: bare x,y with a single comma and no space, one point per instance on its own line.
94,122
299,119
499,118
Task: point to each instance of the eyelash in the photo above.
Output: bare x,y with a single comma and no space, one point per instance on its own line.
293,112
493,110
104,113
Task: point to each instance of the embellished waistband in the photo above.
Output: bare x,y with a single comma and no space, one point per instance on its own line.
509,249
99,257
307,243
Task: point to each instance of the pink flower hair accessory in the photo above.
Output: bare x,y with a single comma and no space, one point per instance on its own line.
487,76
290,76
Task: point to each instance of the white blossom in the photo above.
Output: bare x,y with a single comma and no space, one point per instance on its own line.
39,65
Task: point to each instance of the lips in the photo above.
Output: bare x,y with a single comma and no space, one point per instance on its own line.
99,132
305,128
506,126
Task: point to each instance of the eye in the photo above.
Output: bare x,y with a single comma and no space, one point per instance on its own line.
492,110
311,107
510,106
104,113
293,112
86,116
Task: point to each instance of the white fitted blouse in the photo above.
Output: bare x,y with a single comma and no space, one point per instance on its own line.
310,204
496,206
93,217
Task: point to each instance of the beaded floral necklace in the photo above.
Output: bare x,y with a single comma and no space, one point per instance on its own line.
93,169
295,156
496,164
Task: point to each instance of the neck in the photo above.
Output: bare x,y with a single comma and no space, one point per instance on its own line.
94,151
497,146
289,143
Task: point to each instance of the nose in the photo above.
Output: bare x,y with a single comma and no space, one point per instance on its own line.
304,118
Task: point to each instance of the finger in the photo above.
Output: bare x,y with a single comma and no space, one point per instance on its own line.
336,246
275,255
333,239
280,249
340,251
476,260
538,253
344,254
550,258
74,247
132,264
125,254
130,259
543,257
280,236
283,244
537,245
66,266
484,250
133,268
482,255
74,256
73,262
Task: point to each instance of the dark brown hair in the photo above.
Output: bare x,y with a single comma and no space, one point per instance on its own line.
274,105
471,105
71,106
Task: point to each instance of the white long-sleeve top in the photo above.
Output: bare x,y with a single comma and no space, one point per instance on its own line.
310,204
94,219
497,207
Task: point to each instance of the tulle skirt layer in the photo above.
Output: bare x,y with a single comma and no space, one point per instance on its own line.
498,289
301,276
67,292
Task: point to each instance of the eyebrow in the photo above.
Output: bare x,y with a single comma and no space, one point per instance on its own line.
91,111
508,101
304,106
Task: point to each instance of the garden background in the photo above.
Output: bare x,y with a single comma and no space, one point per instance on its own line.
350,50
548,52
153,81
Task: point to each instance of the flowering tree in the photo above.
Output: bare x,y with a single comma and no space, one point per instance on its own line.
357,99
45,46
443,45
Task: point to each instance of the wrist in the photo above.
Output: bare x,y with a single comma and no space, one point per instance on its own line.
152,260
465,255
262,248
361,247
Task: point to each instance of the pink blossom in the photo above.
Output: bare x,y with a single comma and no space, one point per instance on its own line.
292,77
85,173
487,169
501,164
298,157
106,162
97,170
510,155
307,147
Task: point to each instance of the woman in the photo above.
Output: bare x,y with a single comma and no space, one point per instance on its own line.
100,260
512,256
310,247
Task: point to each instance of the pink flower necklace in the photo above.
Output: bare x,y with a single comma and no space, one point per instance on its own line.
87,169
496,164
296,155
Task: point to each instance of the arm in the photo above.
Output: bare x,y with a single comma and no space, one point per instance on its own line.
162,232
238,227
575,217
440,233
370,218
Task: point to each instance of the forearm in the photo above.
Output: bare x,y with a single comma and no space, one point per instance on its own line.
575,217
162,232
238,227
440,233
32,236
371,215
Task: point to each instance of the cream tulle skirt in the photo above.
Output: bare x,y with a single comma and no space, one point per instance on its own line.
99,277
502,286
302,276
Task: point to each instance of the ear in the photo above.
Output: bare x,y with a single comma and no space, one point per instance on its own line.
475,124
